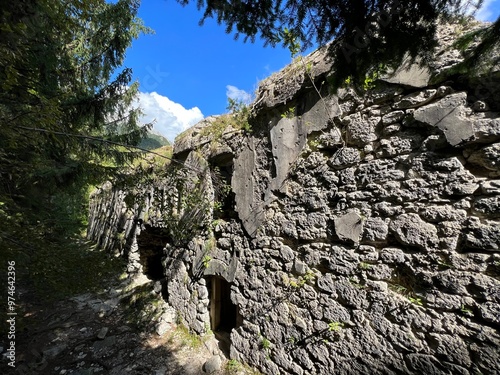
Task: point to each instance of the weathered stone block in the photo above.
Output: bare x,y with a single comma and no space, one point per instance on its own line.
410,73
411,230
393,117
312,226
326,283
344,157
360,129
392,255
488,206
436,214
349,227
487,130
242,184
490,187
487,157
350,296
287,139
398,145
287,253
448,115
490,312
482,236
416,99
212,365
378,171
375,230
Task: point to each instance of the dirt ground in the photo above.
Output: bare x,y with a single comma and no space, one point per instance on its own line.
102,334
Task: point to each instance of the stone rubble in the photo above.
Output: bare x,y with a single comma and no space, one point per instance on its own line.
73,337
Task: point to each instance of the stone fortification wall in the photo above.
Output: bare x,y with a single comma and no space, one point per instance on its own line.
362,231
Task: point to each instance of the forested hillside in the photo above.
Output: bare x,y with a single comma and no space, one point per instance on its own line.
66,121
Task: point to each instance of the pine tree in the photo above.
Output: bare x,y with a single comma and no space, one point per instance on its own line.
366,33
65,110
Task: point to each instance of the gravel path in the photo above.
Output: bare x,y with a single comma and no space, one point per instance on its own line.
98,334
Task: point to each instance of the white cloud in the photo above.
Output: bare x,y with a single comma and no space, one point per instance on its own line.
237,94
170,118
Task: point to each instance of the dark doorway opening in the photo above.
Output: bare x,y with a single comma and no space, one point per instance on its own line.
223,312
151,242
224,315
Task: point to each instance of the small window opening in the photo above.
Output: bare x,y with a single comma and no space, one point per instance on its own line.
222,167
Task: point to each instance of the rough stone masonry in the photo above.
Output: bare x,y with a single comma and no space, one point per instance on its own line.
361,234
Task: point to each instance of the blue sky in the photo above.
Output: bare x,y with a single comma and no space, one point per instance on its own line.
186,71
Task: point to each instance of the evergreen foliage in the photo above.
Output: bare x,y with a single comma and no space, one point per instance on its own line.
366,33
65,117
485,55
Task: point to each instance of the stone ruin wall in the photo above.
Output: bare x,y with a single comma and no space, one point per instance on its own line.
364,235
